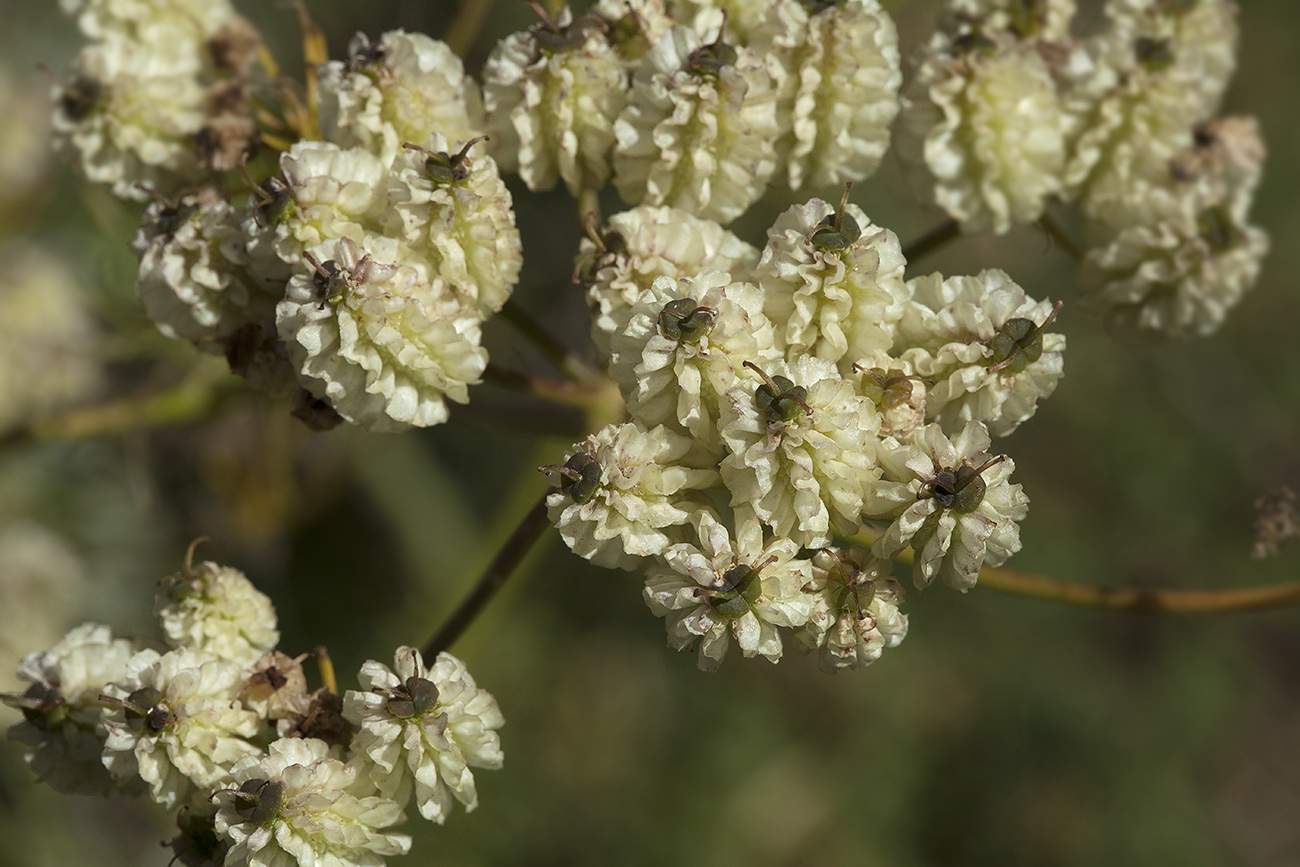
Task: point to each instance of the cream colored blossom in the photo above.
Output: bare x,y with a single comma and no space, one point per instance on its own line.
837,75
630,491
698,130
275,687
982,132
402,88
950,500
197,280
634,26
103,19
48,341
42,583
552,94
381,341
855,614
835,293
24,140
1041,20
706,16
420,730
980,340
898,392
1167,71
684,347
128,114
62,716
801,459
463,228
177,724
217,610
649,242
1177,278
300,805
331,193
747,587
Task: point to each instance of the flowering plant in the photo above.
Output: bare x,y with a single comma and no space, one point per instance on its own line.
776,407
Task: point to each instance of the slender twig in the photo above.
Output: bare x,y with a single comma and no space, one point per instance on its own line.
931,241
560,355
463,31
186,401
1150,600
492,579
591,395
1060,237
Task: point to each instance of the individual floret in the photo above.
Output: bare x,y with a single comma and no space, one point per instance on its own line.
325,193
217,610
644,243
420,730
130,115
837,76
855,614
684,347
951,501
197,281
380,341
296,806
177,725
832,281
982,131
698,129
405,87
552,94
802,448
981,341
48,341
748,587
622,491
1177,278
62,715
454,212
897,391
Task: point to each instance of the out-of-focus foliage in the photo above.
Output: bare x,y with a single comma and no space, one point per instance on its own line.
1003,731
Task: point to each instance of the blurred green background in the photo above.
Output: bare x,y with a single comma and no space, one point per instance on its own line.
1003,731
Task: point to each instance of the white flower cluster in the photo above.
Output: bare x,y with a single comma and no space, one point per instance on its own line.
47,337
784,405
357,274
160,96
219,727
1008,110
696,110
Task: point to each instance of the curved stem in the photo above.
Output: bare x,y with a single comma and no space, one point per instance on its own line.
463,32
560,355
1149,600
191,399
931,241
1060,237
492,579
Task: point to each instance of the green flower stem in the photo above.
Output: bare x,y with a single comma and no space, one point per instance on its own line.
931,241
599,398
1060,237
492,579
560,355
463,31
191,399
1149,600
